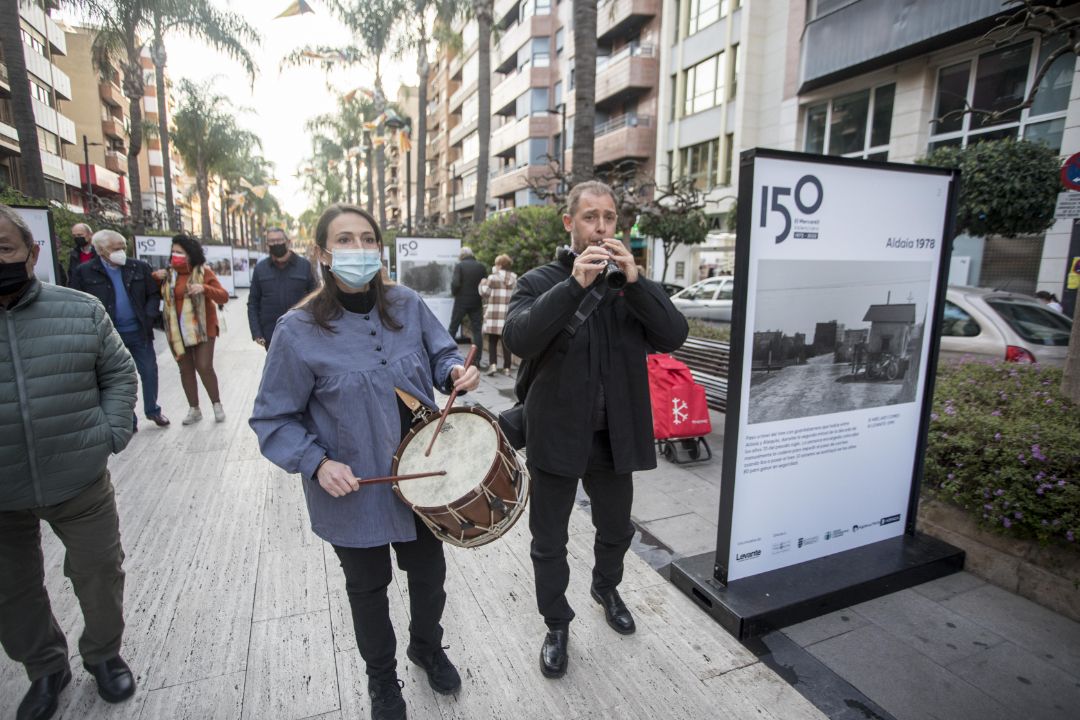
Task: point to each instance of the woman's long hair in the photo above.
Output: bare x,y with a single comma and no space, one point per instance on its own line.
323,304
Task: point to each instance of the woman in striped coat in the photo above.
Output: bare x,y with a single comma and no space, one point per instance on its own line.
496,289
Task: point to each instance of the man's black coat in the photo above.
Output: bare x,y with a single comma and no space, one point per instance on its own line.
465,284
628,324
274,290
142,289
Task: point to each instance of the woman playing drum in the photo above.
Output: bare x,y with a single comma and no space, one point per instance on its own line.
327,408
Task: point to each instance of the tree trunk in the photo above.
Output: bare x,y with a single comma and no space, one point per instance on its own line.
484,10
584,90
158,53
22,109
348,180
423,69
202,183
370,178
1070,382
133,90
380,167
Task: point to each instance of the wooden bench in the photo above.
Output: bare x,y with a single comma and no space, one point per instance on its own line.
708,363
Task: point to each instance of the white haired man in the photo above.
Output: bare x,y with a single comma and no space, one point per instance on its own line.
132,298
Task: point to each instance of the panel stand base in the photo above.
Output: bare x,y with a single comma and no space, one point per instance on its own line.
755,605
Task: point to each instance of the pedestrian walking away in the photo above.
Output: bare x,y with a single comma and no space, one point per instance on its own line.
68,393
587,413
192,293
330,408
465,287
83,251
496,289
278,282
131,296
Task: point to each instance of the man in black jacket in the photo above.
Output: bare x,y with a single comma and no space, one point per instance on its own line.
587,411
277,283
133,300
465,287
82,252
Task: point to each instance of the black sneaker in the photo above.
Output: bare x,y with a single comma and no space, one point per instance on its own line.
441,673
386,700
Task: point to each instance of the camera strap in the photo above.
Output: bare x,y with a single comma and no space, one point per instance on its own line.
585,309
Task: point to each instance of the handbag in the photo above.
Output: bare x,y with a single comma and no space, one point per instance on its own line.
512,421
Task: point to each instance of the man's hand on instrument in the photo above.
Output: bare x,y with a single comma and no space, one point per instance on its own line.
623,258
337,478
465,380
590,263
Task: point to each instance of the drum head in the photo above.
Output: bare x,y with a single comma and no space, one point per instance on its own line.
466,449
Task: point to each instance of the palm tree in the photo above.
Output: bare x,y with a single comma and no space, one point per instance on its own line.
22,109
584,89
208,139
484,11
221,30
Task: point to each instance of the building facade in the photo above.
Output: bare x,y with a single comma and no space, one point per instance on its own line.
44,45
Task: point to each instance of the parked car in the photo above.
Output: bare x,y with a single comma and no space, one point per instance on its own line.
1001,325
709,299
671,288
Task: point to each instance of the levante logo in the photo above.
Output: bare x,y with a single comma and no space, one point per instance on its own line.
748,555
808,186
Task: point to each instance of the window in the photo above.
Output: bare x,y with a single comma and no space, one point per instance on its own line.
733,81
997,82
704,13
703,291
33,42
817,8
541,56
470,147
48,142
729,158
538,101
1034,323
704,85
558,94
676,25
957,323
699,164
41,93
470,109
674,96
560,36
855,125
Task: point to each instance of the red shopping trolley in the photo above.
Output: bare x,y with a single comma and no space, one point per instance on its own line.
680,411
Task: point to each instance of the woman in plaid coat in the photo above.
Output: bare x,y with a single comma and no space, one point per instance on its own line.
497,288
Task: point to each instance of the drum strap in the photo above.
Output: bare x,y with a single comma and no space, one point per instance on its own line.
417,408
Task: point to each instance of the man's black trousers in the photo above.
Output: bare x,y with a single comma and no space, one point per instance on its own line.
551,503
475,311
368,574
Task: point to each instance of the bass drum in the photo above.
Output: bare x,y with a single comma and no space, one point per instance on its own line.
486,485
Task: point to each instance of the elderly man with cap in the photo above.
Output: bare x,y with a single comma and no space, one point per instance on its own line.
132,298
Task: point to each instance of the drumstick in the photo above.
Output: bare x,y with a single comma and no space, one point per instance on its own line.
453,396
395,478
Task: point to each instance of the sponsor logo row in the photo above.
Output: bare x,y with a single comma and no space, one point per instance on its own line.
779,546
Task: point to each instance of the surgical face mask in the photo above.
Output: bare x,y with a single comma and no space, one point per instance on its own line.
356,268
81,241
179,261
118,257
278,250
13,276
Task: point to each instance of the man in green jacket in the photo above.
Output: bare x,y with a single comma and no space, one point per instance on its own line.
67,392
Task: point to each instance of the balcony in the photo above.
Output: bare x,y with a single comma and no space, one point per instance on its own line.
115,161
616,18
459,131
65,128
514,178
460,94
57,37
39,67
629,72
102,179
111,95
115,128
511,134
44,116
464,201
514,85
9,138
502,7
71,174
623,138
34,15
5,84
52,165
518,35
461,167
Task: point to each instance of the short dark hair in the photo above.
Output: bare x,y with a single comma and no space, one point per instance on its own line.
196,256
277,229
589,187
17,220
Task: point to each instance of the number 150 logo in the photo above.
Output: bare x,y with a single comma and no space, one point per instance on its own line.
777,203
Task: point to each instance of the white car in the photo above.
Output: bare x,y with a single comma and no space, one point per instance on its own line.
1000,325
709,299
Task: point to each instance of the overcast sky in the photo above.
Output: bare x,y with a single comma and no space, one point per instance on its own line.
282,99
794,295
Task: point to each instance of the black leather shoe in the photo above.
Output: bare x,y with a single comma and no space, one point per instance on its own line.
441,673
114,679
553,653
386,700
159,420
42,697
618,617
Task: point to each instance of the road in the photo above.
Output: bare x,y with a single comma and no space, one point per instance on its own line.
817,388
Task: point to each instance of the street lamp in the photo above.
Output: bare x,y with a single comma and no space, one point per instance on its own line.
86,168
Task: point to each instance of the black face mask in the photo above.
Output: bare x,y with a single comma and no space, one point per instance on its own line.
278,251
13,277
81,241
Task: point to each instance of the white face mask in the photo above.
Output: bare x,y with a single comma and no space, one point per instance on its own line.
118,257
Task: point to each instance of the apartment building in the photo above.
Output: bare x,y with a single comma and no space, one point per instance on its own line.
397,178
44,44
900,69
532,87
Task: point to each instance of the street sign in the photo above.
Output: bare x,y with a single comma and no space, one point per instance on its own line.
1068,206
1070,172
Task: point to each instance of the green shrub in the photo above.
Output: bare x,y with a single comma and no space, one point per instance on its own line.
1004,445
709,331
529,235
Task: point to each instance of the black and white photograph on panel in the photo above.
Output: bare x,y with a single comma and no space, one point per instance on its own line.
834,336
